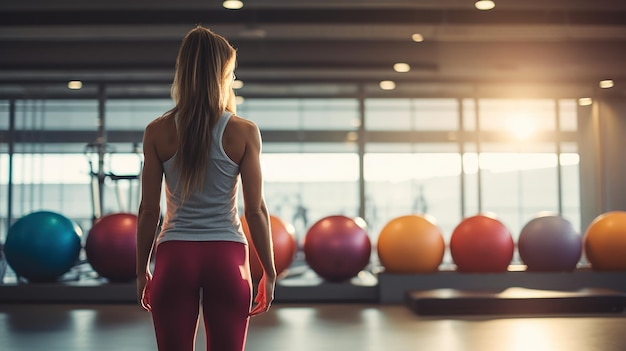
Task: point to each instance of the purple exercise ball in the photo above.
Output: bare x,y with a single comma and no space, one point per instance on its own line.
549,243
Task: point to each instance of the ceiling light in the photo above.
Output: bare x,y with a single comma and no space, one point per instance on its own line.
585,101
485,4
74,84
401,67
232,4
352,136
607,83
253,33
418,38
237,84
239,100
387,85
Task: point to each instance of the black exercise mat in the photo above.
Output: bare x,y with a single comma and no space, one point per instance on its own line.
515,301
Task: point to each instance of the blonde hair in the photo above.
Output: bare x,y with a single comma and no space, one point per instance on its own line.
201,93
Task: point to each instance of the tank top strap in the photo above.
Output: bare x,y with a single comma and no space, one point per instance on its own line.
220,126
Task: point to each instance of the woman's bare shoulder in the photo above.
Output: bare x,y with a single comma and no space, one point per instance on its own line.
162,123
243,126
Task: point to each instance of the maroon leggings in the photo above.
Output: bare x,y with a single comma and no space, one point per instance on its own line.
214,274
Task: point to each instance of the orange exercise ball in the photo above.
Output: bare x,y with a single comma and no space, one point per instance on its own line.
411,244
605,242
285,247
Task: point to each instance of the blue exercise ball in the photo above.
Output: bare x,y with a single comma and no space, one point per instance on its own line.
42,246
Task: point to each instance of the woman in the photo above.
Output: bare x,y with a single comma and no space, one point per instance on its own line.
201,255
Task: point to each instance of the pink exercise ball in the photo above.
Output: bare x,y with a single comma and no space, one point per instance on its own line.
111,246
337,247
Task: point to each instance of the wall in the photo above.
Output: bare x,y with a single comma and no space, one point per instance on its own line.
602,129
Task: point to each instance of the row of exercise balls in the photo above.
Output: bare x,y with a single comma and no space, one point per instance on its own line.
483,244
478,244
42,246
338,247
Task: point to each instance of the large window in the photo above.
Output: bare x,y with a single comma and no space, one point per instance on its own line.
525,169
448,158
470,156
302,114
399,184
304,188
134,114
412,114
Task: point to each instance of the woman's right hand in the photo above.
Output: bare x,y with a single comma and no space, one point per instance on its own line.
264,296
143,292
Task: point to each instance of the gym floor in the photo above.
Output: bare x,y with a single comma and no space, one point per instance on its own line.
314,327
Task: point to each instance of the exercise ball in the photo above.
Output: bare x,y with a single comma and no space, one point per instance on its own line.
42,246
111,246
337,247
481,244
605,242
284,247
411,244
549,243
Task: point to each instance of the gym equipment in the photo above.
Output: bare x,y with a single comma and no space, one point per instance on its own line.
284,247
111,246
411,244
42,246
481,244
549,243
605,242
99,155
515,301
337,247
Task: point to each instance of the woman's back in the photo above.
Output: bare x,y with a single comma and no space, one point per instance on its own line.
209,213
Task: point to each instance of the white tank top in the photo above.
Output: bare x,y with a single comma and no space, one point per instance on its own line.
209,215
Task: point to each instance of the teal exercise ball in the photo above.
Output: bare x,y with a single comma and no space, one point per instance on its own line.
42,246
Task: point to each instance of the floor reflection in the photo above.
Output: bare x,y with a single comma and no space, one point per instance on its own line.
327,327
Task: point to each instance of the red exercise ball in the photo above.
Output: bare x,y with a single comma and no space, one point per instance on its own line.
111,246
337,247
481,244
549,243
284,247
410,244
605,242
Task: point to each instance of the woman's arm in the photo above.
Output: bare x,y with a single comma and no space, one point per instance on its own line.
257,216
149,212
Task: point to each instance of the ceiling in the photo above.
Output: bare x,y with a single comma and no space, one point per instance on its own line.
319,48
